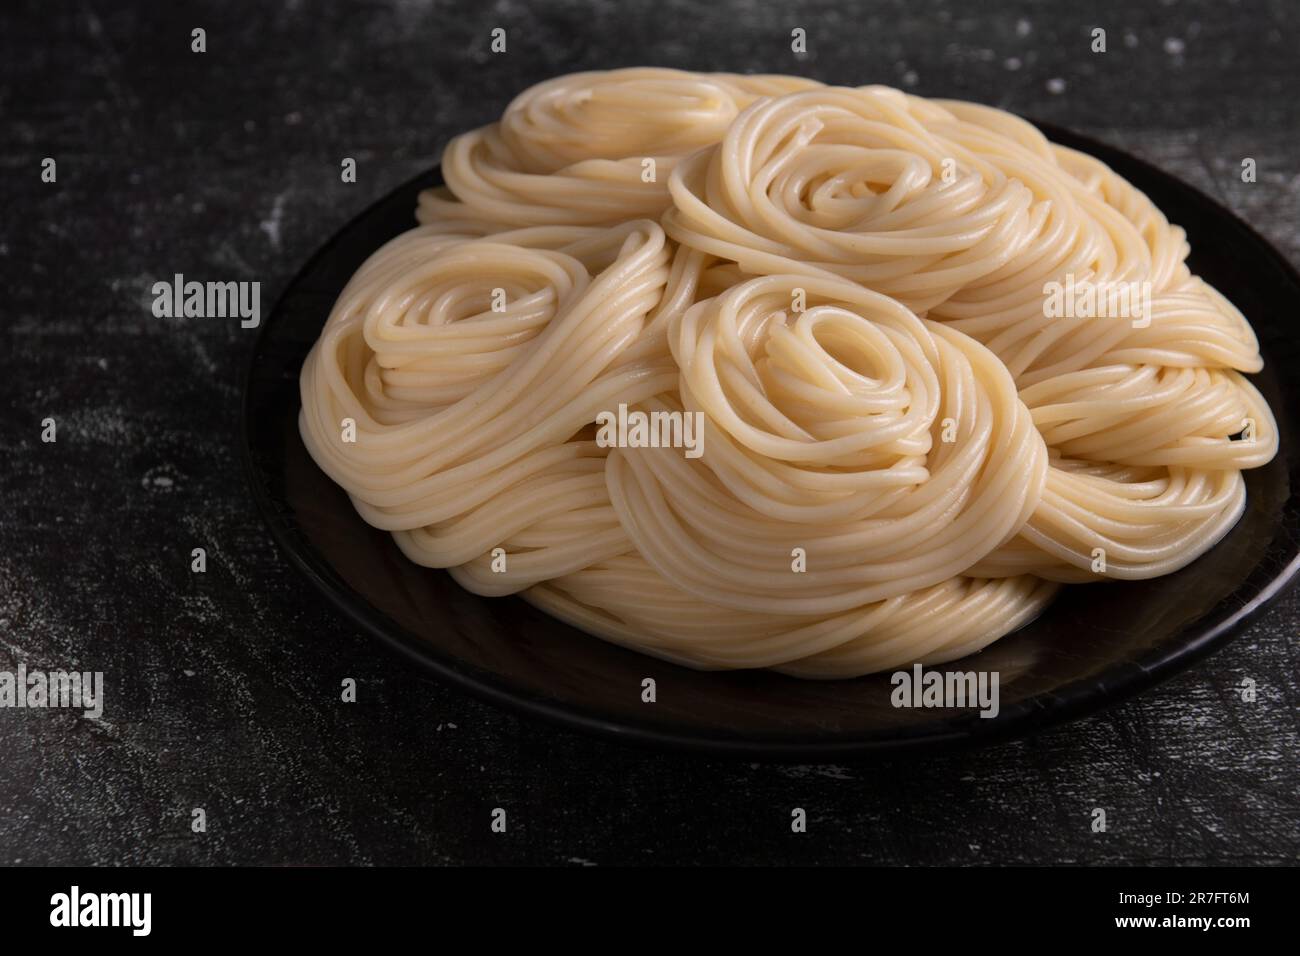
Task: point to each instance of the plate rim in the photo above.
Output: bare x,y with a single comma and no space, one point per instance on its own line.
1076,699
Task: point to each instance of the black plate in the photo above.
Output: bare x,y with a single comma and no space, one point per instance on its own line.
1093,646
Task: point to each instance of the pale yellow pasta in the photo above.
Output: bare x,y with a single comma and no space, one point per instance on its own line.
904,449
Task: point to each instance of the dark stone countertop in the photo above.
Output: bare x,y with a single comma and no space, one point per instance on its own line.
224,688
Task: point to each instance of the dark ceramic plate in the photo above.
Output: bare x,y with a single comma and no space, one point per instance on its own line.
1094,646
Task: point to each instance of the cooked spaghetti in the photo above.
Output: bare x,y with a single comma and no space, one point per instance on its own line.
939,365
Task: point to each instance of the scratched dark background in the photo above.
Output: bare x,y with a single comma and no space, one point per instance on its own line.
223,689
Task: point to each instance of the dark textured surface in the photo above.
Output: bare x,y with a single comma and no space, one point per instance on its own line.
223,688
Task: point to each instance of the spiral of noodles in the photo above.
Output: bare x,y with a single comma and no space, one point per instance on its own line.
903,451
574,150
